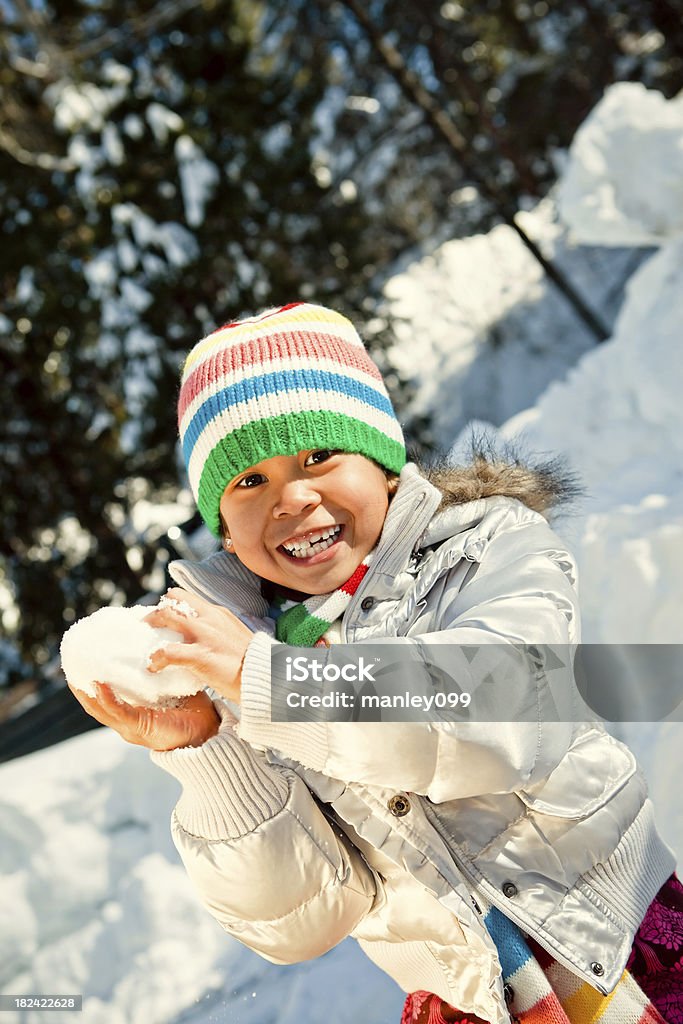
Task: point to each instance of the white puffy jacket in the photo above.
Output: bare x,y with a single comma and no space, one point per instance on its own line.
292,833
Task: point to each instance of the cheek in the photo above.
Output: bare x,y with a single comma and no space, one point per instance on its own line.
373,514
241,529
248,530
247,536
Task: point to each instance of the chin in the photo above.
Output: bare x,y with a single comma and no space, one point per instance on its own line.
316,587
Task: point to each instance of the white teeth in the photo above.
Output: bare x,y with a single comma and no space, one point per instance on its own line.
319,541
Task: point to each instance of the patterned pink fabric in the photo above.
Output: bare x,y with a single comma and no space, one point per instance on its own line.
656,960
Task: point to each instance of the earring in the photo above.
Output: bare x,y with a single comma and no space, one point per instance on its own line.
227,544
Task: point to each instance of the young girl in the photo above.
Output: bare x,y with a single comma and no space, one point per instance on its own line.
496,870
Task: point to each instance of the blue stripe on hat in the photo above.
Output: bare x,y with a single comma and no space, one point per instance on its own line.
279,383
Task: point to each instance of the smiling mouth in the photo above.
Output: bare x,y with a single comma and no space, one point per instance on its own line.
314,542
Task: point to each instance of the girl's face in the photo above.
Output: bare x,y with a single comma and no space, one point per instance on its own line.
306,521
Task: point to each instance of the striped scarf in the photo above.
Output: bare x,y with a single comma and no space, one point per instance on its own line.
305,624
539,990
542,991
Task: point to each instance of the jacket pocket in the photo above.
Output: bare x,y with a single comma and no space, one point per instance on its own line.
594,768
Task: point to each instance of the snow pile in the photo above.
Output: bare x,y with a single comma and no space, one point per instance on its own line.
114,645
618,413
624,184
619,417
491,331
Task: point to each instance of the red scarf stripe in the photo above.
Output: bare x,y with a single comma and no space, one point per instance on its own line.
353,582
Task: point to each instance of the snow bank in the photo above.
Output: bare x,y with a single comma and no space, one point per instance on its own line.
491,331
618,414
624,183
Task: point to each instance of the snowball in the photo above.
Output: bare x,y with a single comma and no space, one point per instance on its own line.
182,607
114,645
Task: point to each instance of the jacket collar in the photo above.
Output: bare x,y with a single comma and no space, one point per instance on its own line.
410,511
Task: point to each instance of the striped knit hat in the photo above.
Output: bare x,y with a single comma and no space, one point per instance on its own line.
289,379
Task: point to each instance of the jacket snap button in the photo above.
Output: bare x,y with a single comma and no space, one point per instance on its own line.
509,889
597,969
367,603
399,805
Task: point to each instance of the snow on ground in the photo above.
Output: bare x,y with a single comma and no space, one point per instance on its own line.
618,415
93,898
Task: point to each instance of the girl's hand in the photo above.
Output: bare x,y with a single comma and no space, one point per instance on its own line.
215,642
188,725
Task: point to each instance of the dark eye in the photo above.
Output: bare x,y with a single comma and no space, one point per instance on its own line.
251,480
319,455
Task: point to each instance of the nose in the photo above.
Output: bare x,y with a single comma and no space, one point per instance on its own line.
296,496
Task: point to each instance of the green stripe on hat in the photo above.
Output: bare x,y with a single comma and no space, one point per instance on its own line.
288,434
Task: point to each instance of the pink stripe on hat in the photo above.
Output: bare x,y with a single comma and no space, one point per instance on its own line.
254,356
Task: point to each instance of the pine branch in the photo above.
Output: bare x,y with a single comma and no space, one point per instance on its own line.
141,26
45,161
442,123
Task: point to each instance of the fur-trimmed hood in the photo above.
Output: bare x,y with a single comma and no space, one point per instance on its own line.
544,485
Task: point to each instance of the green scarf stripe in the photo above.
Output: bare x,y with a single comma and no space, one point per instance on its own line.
304,624
286,435
293,617
300,629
